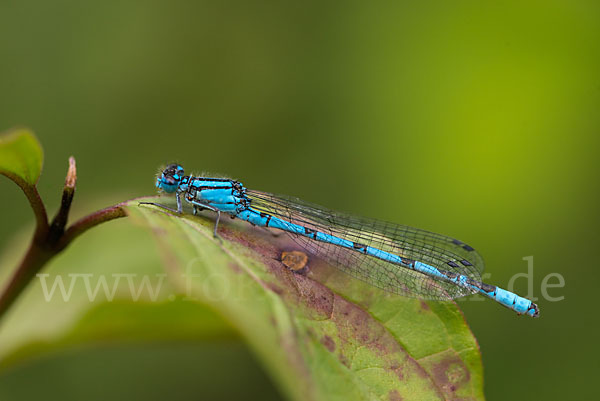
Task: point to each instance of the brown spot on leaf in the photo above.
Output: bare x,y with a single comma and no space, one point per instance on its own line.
354,323
328,343
398,370
316,299
294,260
424,305
450,374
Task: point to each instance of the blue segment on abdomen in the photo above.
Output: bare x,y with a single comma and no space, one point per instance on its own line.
510,300
334,240
428,270
389,257
253,217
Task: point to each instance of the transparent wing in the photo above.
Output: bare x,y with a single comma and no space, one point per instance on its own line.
436,250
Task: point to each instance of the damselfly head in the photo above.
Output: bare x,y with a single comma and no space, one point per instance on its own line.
170,178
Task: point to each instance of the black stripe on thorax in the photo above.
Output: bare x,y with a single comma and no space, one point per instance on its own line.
203,187
211,179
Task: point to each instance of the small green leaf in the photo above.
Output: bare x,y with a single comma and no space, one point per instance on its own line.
322,336
21,155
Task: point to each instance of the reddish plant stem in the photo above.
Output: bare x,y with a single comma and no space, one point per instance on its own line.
35,258
35,200
39,254
49,240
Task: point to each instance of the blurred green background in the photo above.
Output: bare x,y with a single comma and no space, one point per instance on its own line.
479,120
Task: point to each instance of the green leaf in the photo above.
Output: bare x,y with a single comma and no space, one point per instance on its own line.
122,255
21,155
323,336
